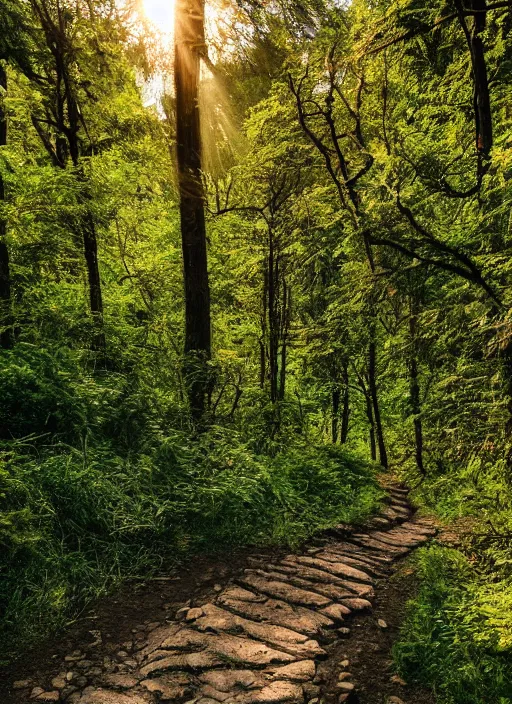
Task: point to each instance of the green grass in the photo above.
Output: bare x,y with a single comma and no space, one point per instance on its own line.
74,522
456,638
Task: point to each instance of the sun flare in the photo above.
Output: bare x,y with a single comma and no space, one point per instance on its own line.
161,14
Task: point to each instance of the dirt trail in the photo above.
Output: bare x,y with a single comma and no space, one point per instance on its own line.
290,628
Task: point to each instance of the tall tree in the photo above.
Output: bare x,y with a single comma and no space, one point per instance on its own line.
5,274
189,46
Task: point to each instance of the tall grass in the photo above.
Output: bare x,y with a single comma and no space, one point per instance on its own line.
104,491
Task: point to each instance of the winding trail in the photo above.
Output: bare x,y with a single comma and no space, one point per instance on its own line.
265,638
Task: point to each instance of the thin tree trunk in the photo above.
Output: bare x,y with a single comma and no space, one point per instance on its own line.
6,332
336,397
346,406
272,318
372,385
414,388
188,45
369,414
285,322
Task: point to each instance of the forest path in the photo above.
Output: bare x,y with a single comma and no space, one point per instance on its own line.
276,632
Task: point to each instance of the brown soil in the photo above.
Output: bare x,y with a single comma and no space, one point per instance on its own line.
368,649
118,615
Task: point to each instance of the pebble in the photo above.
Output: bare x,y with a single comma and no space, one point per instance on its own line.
59,682
345,686
382,624
345,663
344,632
396,679
36,692
394,700
344,676
49,697
21,684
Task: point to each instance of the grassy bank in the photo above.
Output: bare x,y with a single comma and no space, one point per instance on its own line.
457,636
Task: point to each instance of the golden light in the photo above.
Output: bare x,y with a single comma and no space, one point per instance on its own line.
160,13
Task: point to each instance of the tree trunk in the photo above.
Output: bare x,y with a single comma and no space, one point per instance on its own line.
414,391
346,406
372,385
273,322
6,332
336,397
188,45
369,414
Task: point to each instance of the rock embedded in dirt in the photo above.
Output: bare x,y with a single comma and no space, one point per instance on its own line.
394,700
396,679
36,692
345,686
22,684
382,624
53,696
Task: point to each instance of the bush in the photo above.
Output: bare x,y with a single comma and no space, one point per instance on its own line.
456,638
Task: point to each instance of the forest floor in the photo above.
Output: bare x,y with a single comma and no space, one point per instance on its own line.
251,627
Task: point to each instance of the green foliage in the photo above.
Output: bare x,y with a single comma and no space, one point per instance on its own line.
74,521
451,639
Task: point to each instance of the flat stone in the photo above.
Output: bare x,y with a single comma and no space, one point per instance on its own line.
242,595
369,542
157,637
217,649
48,697
22,684
375,568
60,681
345,686
331,591
382,624
337,611
214,694
193,614
231,680
361,553
279,613
173,687
404,539
188,661
120,680
302,671
273,693
357,604
216,619
286,592
105,696
36,692
339,569
415,527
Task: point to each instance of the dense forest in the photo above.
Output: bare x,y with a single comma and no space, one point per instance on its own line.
249,261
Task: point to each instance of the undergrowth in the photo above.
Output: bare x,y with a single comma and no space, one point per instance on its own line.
104,492
457,635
